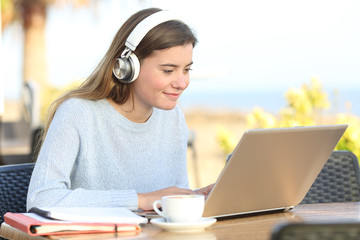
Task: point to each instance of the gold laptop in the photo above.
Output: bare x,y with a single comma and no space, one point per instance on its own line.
271,169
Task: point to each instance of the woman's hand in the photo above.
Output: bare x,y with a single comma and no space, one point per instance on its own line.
205,190
145,200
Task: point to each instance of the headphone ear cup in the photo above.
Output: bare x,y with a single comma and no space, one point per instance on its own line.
127,70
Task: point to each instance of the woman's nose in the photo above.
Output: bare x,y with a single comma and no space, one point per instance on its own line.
182,81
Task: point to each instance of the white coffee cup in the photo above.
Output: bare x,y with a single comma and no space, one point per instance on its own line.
180,208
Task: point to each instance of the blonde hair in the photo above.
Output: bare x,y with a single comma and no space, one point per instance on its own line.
102,84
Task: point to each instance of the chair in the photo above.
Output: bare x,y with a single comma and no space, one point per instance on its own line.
338,181
14,159
14,182
195,162
311,231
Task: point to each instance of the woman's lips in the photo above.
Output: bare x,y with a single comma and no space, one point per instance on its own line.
173,96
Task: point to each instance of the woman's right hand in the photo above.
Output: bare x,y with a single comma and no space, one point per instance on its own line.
145,200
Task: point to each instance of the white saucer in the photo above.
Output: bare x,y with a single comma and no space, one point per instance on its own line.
183,227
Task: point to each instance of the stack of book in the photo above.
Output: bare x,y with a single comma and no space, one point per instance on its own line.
69,220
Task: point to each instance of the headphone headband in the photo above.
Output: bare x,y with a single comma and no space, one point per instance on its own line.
145,26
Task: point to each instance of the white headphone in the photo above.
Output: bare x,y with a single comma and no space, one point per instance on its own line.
127,68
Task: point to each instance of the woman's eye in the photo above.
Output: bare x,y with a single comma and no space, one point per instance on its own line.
167,71
188,70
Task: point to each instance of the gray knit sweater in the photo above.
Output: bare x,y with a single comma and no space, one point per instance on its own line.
93,156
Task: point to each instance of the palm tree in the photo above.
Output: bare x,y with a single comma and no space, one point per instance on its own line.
32,15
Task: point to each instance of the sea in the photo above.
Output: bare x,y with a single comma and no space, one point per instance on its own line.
341,101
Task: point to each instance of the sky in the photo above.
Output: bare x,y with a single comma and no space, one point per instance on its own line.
256,45
277,43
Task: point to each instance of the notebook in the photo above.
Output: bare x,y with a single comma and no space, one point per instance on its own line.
271,169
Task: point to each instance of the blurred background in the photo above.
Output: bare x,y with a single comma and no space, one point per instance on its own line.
258,64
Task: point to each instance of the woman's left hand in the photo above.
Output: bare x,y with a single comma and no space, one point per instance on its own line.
205,190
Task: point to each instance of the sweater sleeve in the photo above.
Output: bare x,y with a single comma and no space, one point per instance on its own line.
50,183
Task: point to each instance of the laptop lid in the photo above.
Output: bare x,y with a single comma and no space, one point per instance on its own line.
271,169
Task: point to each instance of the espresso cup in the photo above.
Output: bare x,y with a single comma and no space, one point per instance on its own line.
180,208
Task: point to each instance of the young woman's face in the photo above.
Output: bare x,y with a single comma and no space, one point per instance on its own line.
163,77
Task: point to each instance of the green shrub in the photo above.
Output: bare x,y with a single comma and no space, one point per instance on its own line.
305,107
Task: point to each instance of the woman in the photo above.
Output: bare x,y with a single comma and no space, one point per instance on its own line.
114,143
